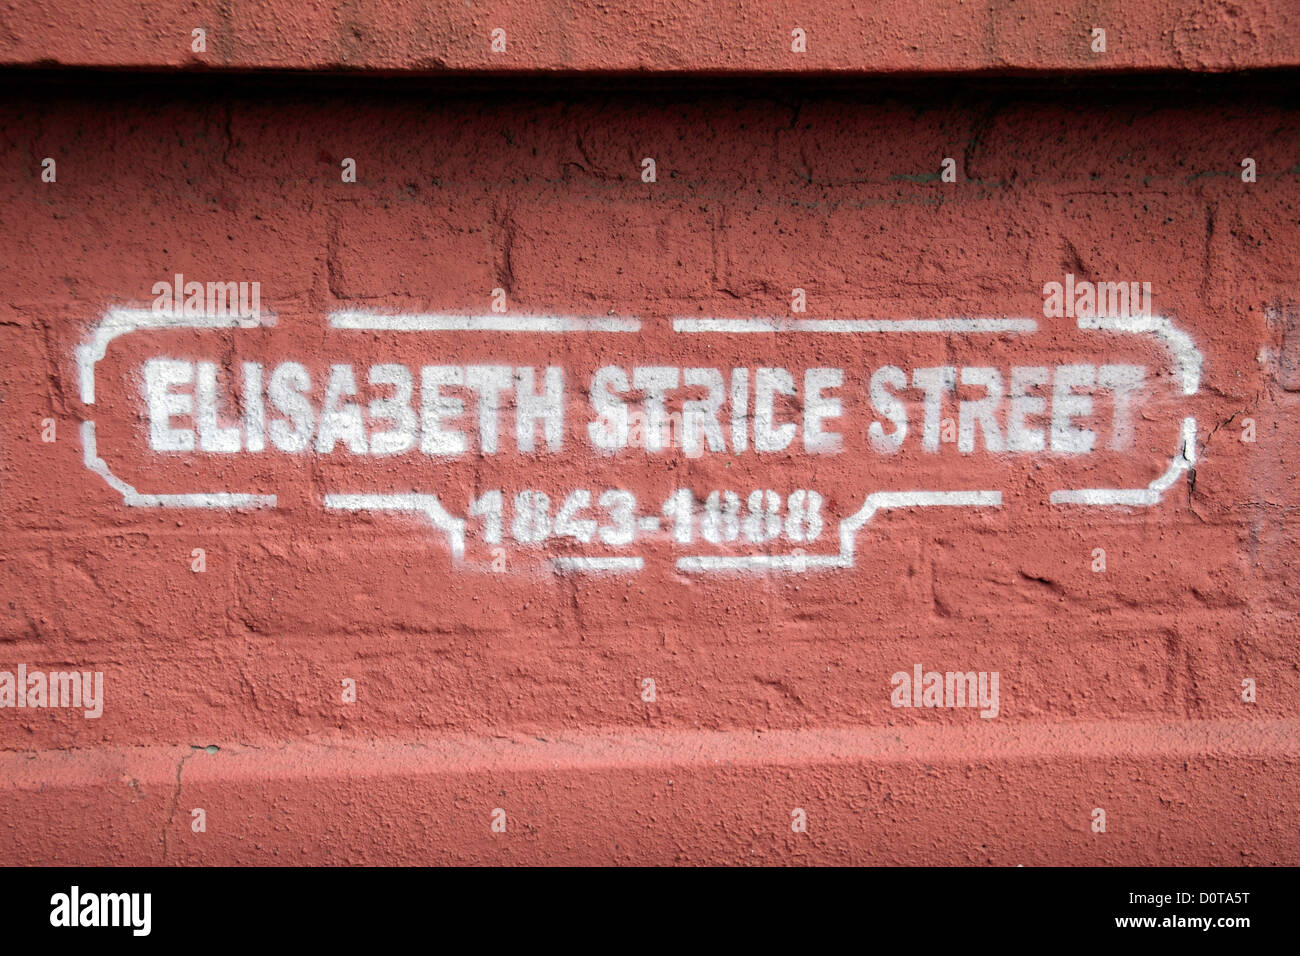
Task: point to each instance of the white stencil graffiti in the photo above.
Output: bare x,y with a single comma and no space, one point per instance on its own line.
536,395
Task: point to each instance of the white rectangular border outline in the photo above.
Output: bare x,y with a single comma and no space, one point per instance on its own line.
117,322
121,321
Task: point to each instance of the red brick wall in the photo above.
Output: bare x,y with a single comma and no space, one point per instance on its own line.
505,679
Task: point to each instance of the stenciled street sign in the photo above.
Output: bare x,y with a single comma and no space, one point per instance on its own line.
732,444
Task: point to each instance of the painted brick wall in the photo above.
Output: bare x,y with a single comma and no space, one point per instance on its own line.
511,677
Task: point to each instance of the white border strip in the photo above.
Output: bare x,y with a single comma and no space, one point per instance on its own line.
1187,358
118,322
1188,362
443,322
1182,461
133,498
428,505
796,563
851,326
597,565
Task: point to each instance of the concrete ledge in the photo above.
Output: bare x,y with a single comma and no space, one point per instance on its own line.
1209,792
658,37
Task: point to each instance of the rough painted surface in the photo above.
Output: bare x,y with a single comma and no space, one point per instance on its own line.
663,36
522,689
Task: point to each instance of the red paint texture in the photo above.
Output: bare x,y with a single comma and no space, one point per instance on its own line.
522,690
664,36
